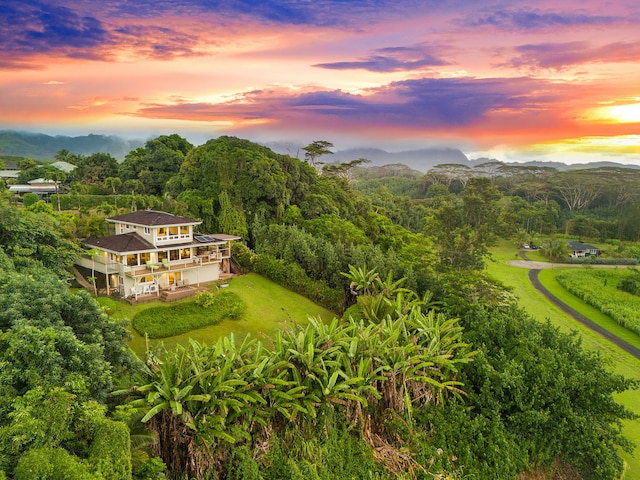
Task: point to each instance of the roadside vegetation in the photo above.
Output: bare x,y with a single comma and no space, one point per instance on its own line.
599,288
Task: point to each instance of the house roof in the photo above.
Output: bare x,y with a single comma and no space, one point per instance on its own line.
9,173
580,246
132,242
153,218
122,243
64,166
217,236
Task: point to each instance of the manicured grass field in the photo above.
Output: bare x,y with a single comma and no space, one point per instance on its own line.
542,309
269,307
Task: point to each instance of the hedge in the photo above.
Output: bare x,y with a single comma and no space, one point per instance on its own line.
208,309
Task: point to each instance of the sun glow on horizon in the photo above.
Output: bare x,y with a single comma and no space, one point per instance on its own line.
628,113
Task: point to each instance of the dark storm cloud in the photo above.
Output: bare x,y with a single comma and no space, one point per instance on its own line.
391,59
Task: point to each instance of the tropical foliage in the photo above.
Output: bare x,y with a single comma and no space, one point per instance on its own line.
205,401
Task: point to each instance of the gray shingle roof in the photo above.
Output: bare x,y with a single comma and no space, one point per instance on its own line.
580,246
123,243
153,218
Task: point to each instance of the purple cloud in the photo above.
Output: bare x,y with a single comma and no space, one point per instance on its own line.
534,19
560,55
391,59
437,103
34,27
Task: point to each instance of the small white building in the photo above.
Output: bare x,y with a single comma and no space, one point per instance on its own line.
154,251
579,250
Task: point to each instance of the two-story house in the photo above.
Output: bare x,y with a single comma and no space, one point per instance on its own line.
153,251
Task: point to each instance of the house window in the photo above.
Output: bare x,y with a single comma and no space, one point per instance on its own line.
173,231
132,259
162,232
147,231
184,230
174,255
162,255
145,257
185,253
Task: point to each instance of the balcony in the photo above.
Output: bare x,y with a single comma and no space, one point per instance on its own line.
174,266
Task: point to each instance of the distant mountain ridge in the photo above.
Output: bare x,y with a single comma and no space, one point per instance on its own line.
424,159
40,146
421,160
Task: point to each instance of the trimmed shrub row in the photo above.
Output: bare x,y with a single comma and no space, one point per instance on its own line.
208,309
603,261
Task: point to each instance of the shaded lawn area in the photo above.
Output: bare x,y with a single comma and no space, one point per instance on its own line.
542,309
269,307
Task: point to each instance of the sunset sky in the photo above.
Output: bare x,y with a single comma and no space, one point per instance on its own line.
547,80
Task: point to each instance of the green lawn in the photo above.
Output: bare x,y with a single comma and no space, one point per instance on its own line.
269,307
541,308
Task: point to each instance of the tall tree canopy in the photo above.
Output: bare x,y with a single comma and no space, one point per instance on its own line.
156,162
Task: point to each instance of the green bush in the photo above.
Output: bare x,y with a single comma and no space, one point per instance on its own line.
630,285
110,451
208,309
48,463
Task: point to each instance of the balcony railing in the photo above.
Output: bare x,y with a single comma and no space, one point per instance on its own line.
175,265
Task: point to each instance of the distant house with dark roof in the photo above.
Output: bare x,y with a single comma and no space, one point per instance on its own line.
154,252
579,249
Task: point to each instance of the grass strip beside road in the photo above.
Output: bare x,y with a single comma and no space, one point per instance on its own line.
550,282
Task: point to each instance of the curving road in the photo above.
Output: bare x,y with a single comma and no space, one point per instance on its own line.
627,347
535,268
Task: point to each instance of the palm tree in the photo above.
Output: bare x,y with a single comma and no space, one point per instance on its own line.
92,279
57,176
133,186
114,183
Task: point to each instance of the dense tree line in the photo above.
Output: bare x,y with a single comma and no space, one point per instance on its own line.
392,389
